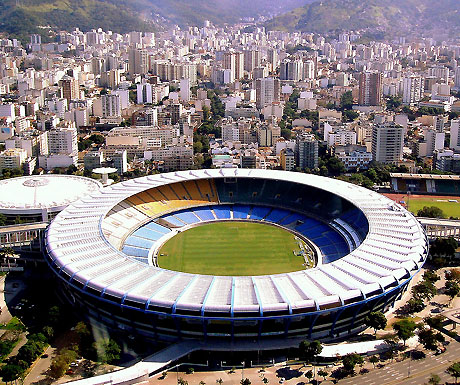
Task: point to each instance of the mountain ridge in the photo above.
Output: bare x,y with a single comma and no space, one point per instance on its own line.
20,18
323,16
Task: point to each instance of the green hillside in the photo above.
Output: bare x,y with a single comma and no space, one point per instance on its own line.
389,15
195,12
22,17
19,19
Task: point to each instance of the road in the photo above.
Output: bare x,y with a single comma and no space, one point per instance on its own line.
420,370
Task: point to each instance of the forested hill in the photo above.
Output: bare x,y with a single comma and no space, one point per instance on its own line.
20,18
324,16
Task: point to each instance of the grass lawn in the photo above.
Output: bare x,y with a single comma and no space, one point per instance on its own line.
232,248
14,324
450,209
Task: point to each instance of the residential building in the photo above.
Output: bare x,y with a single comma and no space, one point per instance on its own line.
12,158
306,151
267,91
387,142
370,88
287,159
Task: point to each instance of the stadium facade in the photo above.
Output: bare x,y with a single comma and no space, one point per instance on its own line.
103,250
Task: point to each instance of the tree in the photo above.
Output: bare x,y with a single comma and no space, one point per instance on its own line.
452,275
414,305
346,101
322,373
265,380
58,367
48,332
424,290
434,379
309,350
219,381
376,320
404,329
444,247
373,360
454,370
428,338
350,115
309,374
430,212
452,289
107,350
350,361
10,372
54,315
245,381
181,381
2,219
430,276
435,322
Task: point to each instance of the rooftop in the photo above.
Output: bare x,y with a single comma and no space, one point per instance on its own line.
44,191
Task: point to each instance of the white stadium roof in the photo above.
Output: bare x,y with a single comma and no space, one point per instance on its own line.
393,251
34,193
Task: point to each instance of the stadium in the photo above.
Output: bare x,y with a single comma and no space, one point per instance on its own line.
234,255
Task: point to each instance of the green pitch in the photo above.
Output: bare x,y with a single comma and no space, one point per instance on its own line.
450,209
232,248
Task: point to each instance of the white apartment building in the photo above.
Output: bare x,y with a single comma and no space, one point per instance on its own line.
413,88
387,143
12,158
455,135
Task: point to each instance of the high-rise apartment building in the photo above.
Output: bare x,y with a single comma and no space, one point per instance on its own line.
455,135
252,59
457,78
387,142
291,70
70,88
413,88
111,106
306,151
138,61
370,88
267,91
63,140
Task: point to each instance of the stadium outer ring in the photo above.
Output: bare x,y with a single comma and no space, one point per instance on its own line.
76,235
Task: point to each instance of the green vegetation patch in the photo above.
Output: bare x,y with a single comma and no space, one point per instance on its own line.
233,248
14,324
450,209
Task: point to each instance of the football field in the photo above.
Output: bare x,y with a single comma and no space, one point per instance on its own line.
450,205
232,248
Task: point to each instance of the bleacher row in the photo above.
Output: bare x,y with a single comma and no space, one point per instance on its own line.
332,245
139,243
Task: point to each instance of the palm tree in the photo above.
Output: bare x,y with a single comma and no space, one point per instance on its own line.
219,381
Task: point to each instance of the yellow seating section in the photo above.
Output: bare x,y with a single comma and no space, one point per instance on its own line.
163,199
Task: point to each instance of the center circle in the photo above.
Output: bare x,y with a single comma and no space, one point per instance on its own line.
235,248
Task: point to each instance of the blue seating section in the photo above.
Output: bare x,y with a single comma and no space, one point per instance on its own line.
139,243
132,240
136,251
259,212
222,212
188,217
156,227
173,220
356,219
204,213
240,211
276,215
